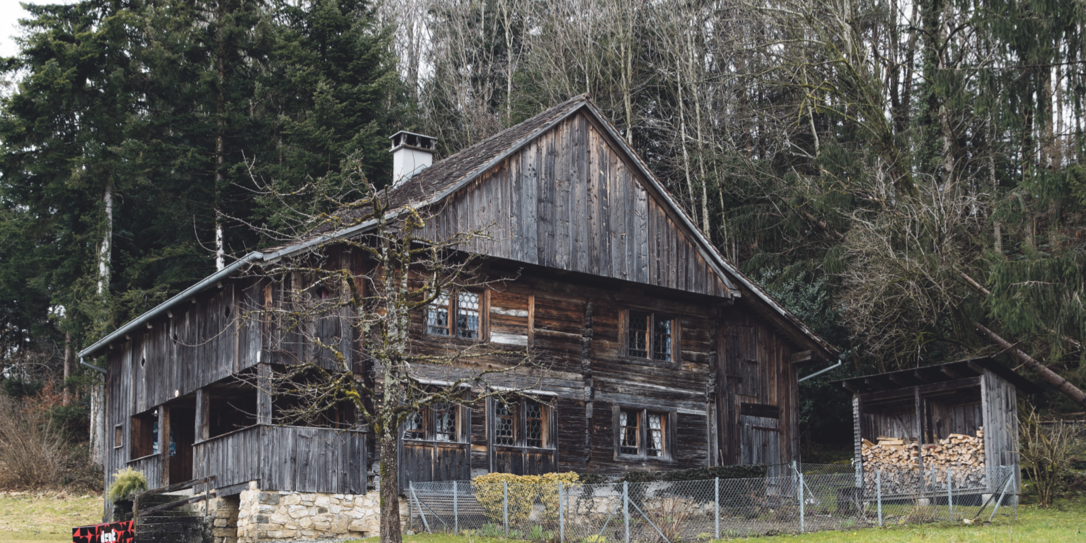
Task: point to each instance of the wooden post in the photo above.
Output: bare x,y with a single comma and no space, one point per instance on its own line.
164,443
919,435
203,415
263,394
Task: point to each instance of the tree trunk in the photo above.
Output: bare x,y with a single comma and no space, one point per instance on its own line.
67,365
1053,378
220,110
107,242
390,492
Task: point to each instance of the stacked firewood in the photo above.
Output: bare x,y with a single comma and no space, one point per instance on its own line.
897,459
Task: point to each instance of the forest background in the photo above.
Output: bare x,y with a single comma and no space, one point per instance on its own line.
897,173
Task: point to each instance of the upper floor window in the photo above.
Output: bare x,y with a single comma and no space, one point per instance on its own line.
437,422
454,315
649,335
642,433
522,423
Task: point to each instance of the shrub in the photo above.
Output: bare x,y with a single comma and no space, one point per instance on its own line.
32,452
756,471
524,490
126,483
1045,451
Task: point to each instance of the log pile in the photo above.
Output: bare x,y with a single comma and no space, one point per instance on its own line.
897,459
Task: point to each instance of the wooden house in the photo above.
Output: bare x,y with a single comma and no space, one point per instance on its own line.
662,354
925,406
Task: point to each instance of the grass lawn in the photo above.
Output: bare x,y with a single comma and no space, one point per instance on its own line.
1064,523
49,518
27,517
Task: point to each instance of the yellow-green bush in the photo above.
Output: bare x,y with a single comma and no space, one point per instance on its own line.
524,490
126,483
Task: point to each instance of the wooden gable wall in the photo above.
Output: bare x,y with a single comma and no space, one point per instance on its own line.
568,200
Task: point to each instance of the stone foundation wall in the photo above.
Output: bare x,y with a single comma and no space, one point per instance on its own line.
280,516
222,516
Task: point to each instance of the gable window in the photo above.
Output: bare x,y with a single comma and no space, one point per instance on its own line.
437,422
465,306
649,335
643,433
522,423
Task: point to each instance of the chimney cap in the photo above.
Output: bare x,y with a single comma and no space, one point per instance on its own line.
412,140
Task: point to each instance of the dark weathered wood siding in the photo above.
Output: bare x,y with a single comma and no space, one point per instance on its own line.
583,240
755,368
569,200
999,407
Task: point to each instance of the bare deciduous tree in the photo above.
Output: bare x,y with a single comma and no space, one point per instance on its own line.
339,317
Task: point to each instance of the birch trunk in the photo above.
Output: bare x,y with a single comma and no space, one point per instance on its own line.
105,249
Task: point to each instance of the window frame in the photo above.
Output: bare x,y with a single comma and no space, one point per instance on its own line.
118,436
653,317
429,425
668,421
548,418
452,307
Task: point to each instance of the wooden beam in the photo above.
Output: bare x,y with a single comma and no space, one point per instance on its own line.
919,429
871,382
949,373
802,356
900,380
263,394
203,415
932,388
919,375
164,442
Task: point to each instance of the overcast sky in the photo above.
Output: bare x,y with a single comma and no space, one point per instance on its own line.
10,13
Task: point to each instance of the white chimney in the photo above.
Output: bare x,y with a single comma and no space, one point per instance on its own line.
411,153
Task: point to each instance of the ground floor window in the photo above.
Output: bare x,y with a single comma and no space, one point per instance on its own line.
643,433
522,422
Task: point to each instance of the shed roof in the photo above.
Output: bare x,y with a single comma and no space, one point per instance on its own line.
938,373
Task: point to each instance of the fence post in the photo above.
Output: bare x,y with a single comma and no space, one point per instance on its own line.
878,493
456,509
949,496
410,506
802,521
561,516
716,510
626,508
505,506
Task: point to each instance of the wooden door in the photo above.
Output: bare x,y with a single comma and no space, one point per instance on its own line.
760,440
737,381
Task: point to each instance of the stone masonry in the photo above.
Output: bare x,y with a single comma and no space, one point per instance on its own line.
222,518
300,516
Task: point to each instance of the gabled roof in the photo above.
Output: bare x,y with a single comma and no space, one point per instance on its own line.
448,175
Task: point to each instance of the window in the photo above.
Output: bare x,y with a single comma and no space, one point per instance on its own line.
522,423
118,436
464,305
438,422
144,435
503,424
642,433
649,335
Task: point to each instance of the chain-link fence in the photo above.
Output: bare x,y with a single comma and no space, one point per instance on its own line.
811,498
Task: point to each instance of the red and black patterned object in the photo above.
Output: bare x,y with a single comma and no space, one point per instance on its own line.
114,532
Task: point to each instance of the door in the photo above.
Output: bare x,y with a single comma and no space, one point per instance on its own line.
760,440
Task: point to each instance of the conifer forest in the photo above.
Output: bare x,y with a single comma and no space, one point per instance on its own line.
909,178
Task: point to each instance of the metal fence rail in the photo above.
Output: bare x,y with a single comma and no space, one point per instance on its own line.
811,498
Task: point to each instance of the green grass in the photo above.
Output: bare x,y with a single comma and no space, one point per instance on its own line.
1064,523
49,518
28,517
